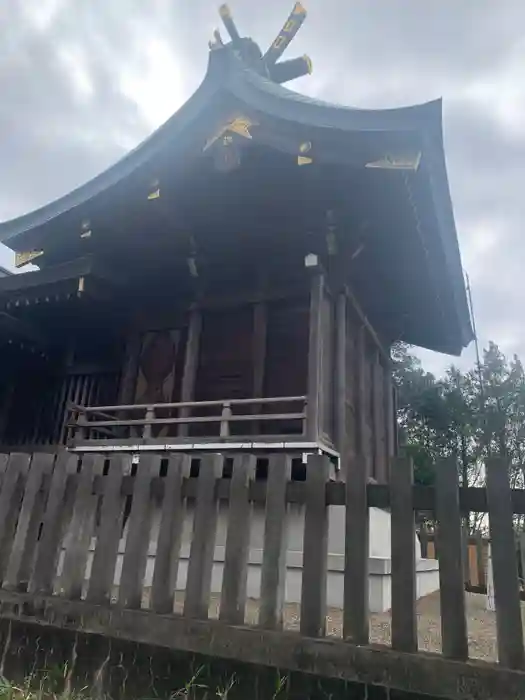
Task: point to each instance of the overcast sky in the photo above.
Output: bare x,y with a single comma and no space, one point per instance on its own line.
82,82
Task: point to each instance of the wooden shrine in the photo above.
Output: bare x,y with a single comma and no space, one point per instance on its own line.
238,279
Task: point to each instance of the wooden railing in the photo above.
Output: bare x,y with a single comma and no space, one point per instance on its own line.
140,420
56,513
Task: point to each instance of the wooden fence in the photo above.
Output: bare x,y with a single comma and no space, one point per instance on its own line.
54,510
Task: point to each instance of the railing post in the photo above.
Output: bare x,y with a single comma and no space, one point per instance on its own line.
150,415
225,419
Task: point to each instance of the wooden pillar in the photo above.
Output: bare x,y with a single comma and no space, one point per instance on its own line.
191,361
378,423
315,340
390,417
341,382
131,368
260,324
362,386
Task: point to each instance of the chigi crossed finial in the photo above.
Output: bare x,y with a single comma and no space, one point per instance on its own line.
267,64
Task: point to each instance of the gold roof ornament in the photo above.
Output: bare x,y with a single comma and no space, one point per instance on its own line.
154,192
26,257
239,125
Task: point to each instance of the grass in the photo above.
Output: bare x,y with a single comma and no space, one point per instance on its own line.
56,685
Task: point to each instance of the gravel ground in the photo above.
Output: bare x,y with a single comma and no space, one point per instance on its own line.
481,623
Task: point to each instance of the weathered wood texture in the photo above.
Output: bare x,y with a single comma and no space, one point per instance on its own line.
200,566
504,565
404,630
315,548
233,598
356,596
82,567
273,572
452,590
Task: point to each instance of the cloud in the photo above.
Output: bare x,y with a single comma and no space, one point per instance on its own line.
81,83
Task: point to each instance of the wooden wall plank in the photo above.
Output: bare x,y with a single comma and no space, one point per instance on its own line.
170,534
356,595
81,529
55,516
451,586
315,341
273,570
404,630
233,595
315,548
198,581
109,532
18,572
10,500
138,534
504,565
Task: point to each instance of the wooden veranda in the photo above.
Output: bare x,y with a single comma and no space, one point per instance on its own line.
65,563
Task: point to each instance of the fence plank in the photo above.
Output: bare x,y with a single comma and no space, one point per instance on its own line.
273,570
233,595
315,548
404,630
25,540
79,534
10,498
504,565
170,533
451,584
138,535
52,527
109,532
356,595
198,582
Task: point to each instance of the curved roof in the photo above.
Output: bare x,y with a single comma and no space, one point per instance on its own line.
341,133
228,74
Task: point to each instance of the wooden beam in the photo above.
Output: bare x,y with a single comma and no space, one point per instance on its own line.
191,362
315,341
421,674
